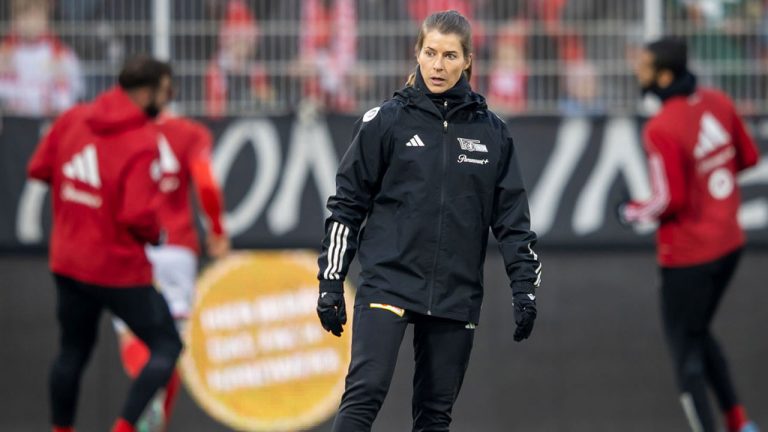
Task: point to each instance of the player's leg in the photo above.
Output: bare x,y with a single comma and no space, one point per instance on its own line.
146,314
133,353
171,392
716,364
685,296
376,338
442,349
719,377
78,315
174,270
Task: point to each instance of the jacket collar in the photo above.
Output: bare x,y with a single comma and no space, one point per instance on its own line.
684,86
460,97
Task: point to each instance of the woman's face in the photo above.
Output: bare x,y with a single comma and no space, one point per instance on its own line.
442,60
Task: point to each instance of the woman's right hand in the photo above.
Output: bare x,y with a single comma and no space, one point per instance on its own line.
332,312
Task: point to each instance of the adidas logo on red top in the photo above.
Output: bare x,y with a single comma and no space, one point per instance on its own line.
84,167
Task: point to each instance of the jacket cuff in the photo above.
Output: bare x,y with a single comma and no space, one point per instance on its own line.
333,286
523,288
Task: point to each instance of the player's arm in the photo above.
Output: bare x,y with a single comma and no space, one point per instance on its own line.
666,169
141,197
209,194
42,162
746,149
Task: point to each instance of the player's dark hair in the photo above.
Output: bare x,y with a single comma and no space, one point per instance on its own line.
670,53
446,22
143,71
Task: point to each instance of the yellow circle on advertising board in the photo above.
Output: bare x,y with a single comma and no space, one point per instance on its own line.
256,357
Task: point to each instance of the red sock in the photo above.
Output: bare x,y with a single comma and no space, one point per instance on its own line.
121,425
63,429
736,418
171,391
134,355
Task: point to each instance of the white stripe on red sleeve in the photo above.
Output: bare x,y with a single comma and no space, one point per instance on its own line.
653,208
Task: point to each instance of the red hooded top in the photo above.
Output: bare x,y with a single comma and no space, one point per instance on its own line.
100,160
696,147
185,149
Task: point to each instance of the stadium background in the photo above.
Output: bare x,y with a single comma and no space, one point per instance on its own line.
558,70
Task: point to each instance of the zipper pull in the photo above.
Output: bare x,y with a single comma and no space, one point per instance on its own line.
445,103
445,125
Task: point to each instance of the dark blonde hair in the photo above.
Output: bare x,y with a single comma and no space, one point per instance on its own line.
446,22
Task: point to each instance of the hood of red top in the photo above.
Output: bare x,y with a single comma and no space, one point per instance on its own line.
113,111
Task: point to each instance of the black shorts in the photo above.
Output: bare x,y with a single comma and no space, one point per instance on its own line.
142,308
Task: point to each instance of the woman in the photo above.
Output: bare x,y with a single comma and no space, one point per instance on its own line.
431,169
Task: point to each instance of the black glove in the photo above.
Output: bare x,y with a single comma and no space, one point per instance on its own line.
619,211
525,314
332,312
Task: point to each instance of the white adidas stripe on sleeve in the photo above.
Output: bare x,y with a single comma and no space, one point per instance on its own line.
335,257
661,195
336,251
343,251
537,271
331,250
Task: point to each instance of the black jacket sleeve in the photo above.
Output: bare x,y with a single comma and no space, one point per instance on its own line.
511,224
357,182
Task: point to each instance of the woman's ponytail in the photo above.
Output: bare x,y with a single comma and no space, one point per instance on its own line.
411,80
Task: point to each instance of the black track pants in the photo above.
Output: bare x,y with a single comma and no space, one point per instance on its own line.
442,348
689,300
79,307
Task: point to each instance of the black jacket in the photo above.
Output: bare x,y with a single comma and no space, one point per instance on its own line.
430,178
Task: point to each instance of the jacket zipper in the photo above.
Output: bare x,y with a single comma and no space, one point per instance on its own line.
439,216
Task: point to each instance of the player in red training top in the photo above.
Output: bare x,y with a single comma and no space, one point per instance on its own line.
185,149
696,146
101,161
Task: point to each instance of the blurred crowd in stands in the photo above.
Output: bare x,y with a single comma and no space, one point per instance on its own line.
240,57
